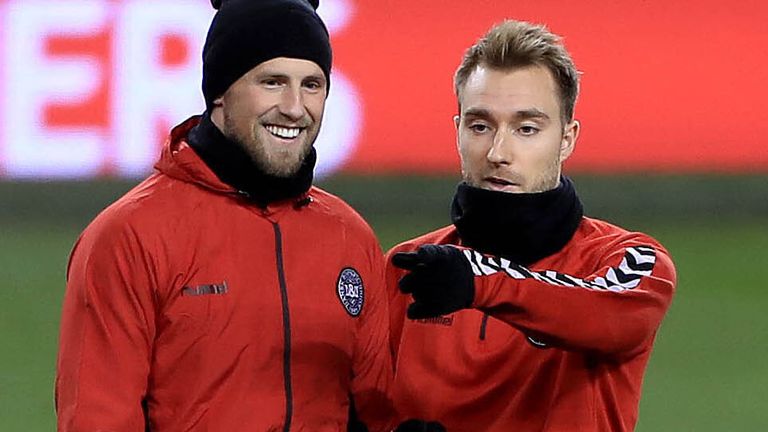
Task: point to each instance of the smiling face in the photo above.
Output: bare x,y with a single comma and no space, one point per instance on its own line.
274,111
510,133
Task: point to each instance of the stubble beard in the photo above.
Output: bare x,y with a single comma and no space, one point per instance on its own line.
544,181
548,179
278,162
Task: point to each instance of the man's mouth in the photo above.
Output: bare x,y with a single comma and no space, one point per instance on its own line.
284,132
501,184
500,181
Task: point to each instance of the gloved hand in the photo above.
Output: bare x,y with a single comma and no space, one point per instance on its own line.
440,280
414,425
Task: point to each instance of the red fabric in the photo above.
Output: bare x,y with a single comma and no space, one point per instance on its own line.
587,377
214,362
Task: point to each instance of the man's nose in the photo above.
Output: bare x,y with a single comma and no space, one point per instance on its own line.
501,151
292,103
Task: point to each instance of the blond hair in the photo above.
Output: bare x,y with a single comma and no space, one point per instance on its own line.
515,44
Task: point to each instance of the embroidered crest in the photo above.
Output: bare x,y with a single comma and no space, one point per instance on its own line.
351,291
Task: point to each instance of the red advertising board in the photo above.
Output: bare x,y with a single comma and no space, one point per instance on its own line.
89,87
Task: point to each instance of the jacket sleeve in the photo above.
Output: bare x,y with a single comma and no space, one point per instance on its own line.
612,311
372,360
107,329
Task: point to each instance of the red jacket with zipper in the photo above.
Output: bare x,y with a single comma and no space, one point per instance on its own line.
191,309
558,346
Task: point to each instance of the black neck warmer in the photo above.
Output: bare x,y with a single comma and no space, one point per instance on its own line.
523,228
232,165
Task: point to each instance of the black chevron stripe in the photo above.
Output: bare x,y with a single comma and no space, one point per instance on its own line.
548,279
473,259
593,284
488,261
634,265
624,277
566,279
524,271
645,250
642,267
512,267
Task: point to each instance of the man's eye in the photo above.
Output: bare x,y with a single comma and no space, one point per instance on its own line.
478,128
313,85
528,130
271,82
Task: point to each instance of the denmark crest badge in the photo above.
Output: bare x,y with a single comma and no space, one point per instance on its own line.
351,291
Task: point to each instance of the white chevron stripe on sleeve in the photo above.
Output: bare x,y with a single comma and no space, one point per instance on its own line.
487,270
642,258
624,267
468,255
631,274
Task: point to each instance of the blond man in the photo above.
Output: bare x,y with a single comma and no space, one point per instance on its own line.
524,314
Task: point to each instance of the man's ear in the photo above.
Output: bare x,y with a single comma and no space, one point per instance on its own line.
456,124
568,142
217,113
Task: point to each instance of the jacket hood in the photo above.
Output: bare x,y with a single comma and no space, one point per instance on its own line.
179,160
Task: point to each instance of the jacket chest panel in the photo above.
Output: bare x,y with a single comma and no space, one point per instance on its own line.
238,280
313,261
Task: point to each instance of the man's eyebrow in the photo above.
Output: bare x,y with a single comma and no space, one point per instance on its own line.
476,112
532,113
318,77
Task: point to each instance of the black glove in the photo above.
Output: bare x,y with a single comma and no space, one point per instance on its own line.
414,425
440,280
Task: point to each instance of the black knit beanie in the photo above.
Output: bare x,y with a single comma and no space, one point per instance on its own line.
246,33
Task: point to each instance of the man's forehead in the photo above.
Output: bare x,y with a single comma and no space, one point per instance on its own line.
527,89
288,65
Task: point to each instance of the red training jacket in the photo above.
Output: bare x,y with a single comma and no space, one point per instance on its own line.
190,306
559,346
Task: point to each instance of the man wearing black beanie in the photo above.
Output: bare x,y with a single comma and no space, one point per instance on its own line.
225,292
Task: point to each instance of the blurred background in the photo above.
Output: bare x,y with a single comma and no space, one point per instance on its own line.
674,117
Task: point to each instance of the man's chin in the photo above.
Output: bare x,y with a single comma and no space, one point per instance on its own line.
283,168
280,170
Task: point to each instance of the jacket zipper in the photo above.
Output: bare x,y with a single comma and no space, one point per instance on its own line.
286,329
483,326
